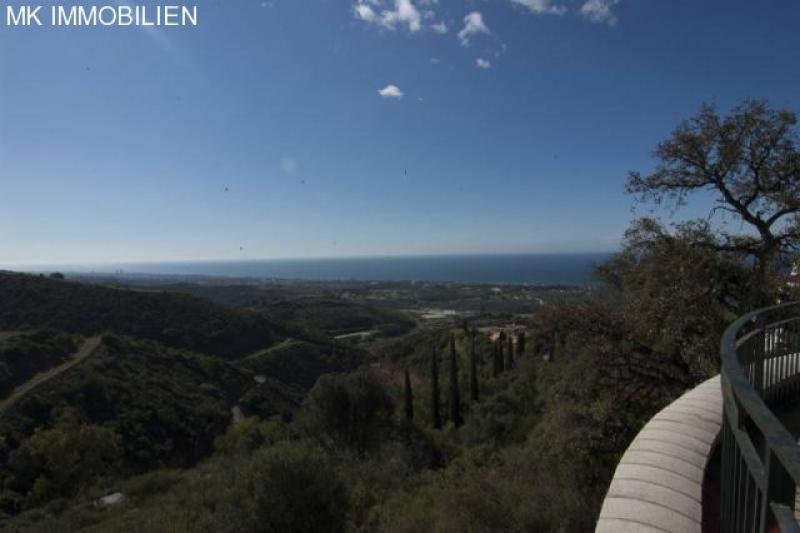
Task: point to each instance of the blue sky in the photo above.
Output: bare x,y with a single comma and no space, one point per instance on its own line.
117,144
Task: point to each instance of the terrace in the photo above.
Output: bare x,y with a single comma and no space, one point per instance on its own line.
725,455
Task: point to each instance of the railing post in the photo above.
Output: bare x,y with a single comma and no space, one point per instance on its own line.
780,489
758,356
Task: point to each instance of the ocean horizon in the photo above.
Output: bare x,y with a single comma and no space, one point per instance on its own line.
532,269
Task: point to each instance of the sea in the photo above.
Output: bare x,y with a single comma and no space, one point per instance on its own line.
529,269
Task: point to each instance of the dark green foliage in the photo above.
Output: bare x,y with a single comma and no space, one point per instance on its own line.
26,354
521,344
455,394
351,409
473,368
335,316
408,397
294,487
250,434
436,417
555,349
510,353
677,296
497,358
166,405
300,363
495,368
272,398
60,461
177,320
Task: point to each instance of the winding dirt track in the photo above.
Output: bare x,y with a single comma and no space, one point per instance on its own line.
84,352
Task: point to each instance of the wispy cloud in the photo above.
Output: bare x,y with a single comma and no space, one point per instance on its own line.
473,25
600,11
439,27
401,13
542,7
483,63
391,92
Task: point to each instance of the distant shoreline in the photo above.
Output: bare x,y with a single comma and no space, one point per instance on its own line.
574,269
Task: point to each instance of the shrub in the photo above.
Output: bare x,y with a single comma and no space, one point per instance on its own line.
65,459
353,409
294,487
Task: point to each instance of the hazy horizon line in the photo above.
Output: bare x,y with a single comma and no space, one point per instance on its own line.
296,258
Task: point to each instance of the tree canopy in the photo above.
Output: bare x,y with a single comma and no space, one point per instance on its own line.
749,162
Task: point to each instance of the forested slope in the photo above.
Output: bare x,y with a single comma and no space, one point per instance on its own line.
178,320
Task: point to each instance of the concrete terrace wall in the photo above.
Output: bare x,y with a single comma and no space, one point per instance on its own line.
658,483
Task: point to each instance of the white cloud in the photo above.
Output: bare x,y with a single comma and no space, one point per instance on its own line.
403,13
439,27
473,25
542,7
483,63
600,11
365,13
435,60
391,91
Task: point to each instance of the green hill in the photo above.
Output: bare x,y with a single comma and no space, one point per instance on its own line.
165,406
25,354
155,391
177,320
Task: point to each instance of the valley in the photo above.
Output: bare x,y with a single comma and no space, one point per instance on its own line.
161,376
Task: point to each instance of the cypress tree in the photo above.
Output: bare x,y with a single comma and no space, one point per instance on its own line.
521,344
510,354
556,343
436,418
473,369
455,394
495,366
409,398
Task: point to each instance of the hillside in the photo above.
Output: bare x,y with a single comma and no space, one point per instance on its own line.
165,375
335,316
161,406
25,354
177,320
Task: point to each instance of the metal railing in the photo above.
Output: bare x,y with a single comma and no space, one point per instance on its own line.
760,468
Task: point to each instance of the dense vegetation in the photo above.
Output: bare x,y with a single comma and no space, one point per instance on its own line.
335,316
301,362
25,354
174,319
159,406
